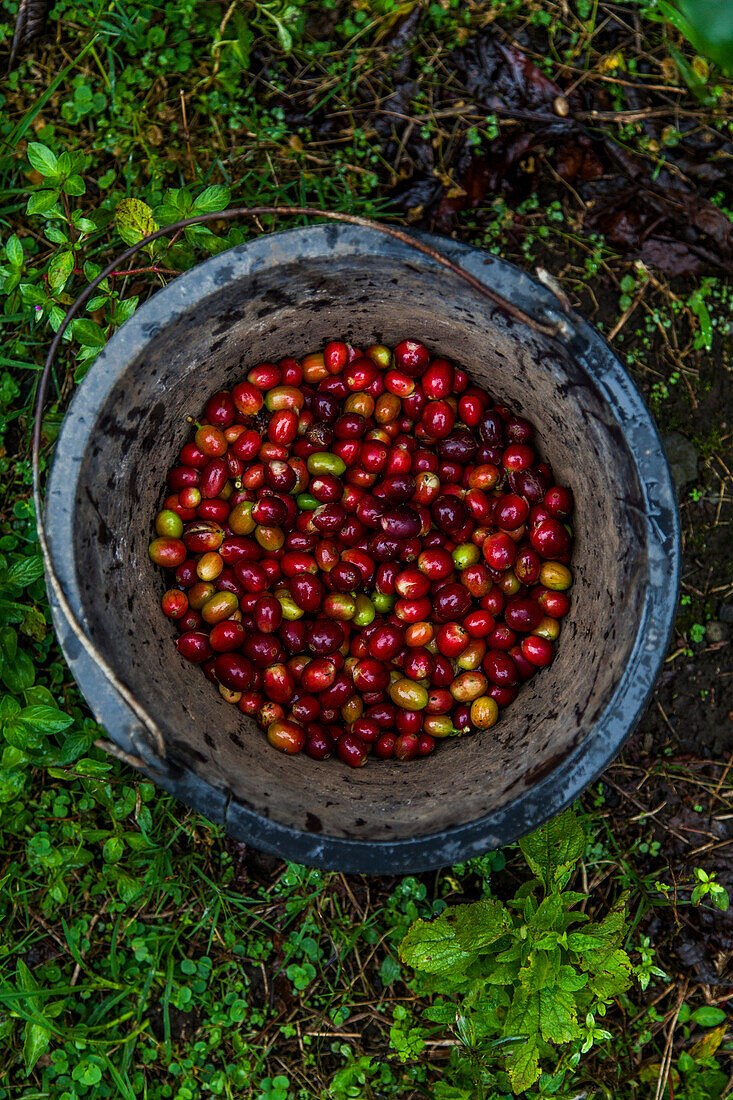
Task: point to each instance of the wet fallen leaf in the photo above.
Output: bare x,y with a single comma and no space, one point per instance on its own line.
500,74
578,160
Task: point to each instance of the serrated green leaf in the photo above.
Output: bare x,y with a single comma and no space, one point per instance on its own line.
478,924
523,1017
558,1016
609,972
212,199
541,970
553,850
512,953
503,973
42,159
443,1013
588,940
40,202
550,916
522,1065
433,947
134,220
444,1091
571,979
613,925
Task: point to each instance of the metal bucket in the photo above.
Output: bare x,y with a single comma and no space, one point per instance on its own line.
285,294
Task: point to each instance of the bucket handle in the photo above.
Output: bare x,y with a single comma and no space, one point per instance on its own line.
145,735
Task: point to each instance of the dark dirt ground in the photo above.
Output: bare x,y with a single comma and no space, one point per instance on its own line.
589,152
668,782
668,795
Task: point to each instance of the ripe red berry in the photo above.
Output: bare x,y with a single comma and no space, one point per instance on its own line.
360,544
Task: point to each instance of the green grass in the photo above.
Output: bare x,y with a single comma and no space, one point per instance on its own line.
142,953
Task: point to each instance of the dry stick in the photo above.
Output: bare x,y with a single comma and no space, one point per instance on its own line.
142,715
724,776
667,1058
627,313
644,809
186,134
77,968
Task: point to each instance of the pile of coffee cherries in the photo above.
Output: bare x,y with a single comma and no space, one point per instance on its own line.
368,553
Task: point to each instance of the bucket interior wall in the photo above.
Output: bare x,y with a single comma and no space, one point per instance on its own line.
290,311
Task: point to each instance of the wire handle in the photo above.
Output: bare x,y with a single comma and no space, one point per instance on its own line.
147,737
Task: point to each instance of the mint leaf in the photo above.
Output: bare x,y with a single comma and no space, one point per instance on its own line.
503,973
522,1065
541,970
610,972
558,1016
433,947
443,1012
570,979
553,850
613,925
523,1017
478,924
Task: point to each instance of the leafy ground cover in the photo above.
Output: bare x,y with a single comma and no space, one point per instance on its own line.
142,952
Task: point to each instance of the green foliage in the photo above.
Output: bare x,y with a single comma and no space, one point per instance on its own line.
41,284
138,958
707,887
134,220
706,24
532,974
